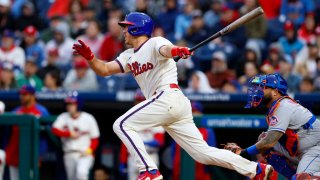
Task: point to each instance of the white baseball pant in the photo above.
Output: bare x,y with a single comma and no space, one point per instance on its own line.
172,110
2,163
77,166
14,172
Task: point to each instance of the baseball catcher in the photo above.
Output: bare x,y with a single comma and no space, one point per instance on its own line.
291,144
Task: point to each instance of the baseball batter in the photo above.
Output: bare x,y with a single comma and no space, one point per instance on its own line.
293,130
79,133
150,62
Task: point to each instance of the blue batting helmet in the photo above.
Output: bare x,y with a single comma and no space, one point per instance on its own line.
259,82
73,98
138,24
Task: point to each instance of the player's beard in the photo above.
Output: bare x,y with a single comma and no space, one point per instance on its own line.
266,99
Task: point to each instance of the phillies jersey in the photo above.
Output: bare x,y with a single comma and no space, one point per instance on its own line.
150,68
85,124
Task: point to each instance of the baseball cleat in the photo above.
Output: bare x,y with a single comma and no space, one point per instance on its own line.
149,175
264,172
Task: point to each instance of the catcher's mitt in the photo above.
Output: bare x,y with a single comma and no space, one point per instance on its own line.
233,147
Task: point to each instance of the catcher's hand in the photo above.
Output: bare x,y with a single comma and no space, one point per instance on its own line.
233,147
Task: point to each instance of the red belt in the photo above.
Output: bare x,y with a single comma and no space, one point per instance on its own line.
174,86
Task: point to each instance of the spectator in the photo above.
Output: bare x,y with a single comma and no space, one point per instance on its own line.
61,41
166,19
229,15
295,10
252,53
32,46
30,106
79,134
219,72
307,31
106,7
6,19
101,173
199,83
197,31
317,79
317,34
78,22
90,14
52,82
112,44
274,56
183,21
29,76
306,85
271,10
285,70
80,78
50,64
306,64
212,16
267,69
290,43
93,36
7,78
203,55
257,28
250,70
47,34
10,52
28,17
230,87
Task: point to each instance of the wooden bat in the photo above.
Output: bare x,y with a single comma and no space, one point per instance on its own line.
234,25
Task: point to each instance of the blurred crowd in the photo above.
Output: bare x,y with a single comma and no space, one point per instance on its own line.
37,37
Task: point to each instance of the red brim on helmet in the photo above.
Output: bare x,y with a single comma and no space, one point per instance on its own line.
125,23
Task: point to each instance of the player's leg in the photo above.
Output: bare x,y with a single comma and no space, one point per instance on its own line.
310,162
84,165
149,113
14,172
70,160
187,135
2,163
133,170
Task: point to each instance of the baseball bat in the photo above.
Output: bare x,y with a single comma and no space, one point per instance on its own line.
234,25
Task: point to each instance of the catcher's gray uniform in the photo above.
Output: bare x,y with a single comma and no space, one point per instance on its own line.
287,116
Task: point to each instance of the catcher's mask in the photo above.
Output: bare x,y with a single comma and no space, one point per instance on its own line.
258,83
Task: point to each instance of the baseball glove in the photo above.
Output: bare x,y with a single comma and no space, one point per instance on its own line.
233,147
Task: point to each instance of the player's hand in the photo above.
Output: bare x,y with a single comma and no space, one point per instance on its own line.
88,152
182,52
233,147
74,135
83,50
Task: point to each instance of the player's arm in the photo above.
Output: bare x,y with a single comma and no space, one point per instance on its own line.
263,145
171,51
100,67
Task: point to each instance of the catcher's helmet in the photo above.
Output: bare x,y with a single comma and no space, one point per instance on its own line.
138,24
259,82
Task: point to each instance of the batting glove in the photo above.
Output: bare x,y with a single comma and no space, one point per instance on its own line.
182,52
83,50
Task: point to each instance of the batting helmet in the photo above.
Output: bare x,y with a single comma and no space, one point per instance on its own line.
138,24
259,82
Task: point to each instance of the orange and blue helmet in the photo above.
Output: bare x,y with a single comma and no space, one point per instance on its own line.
138,24
259,82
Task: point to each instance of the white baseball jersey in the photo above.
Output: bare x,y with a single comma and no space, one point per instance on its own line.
151,70
85,125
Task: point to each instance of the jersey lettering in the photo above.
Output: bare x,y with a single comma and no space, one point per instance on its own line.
136,68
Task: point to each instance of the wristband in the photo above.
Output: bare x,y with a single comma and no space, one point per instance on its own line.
252,150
